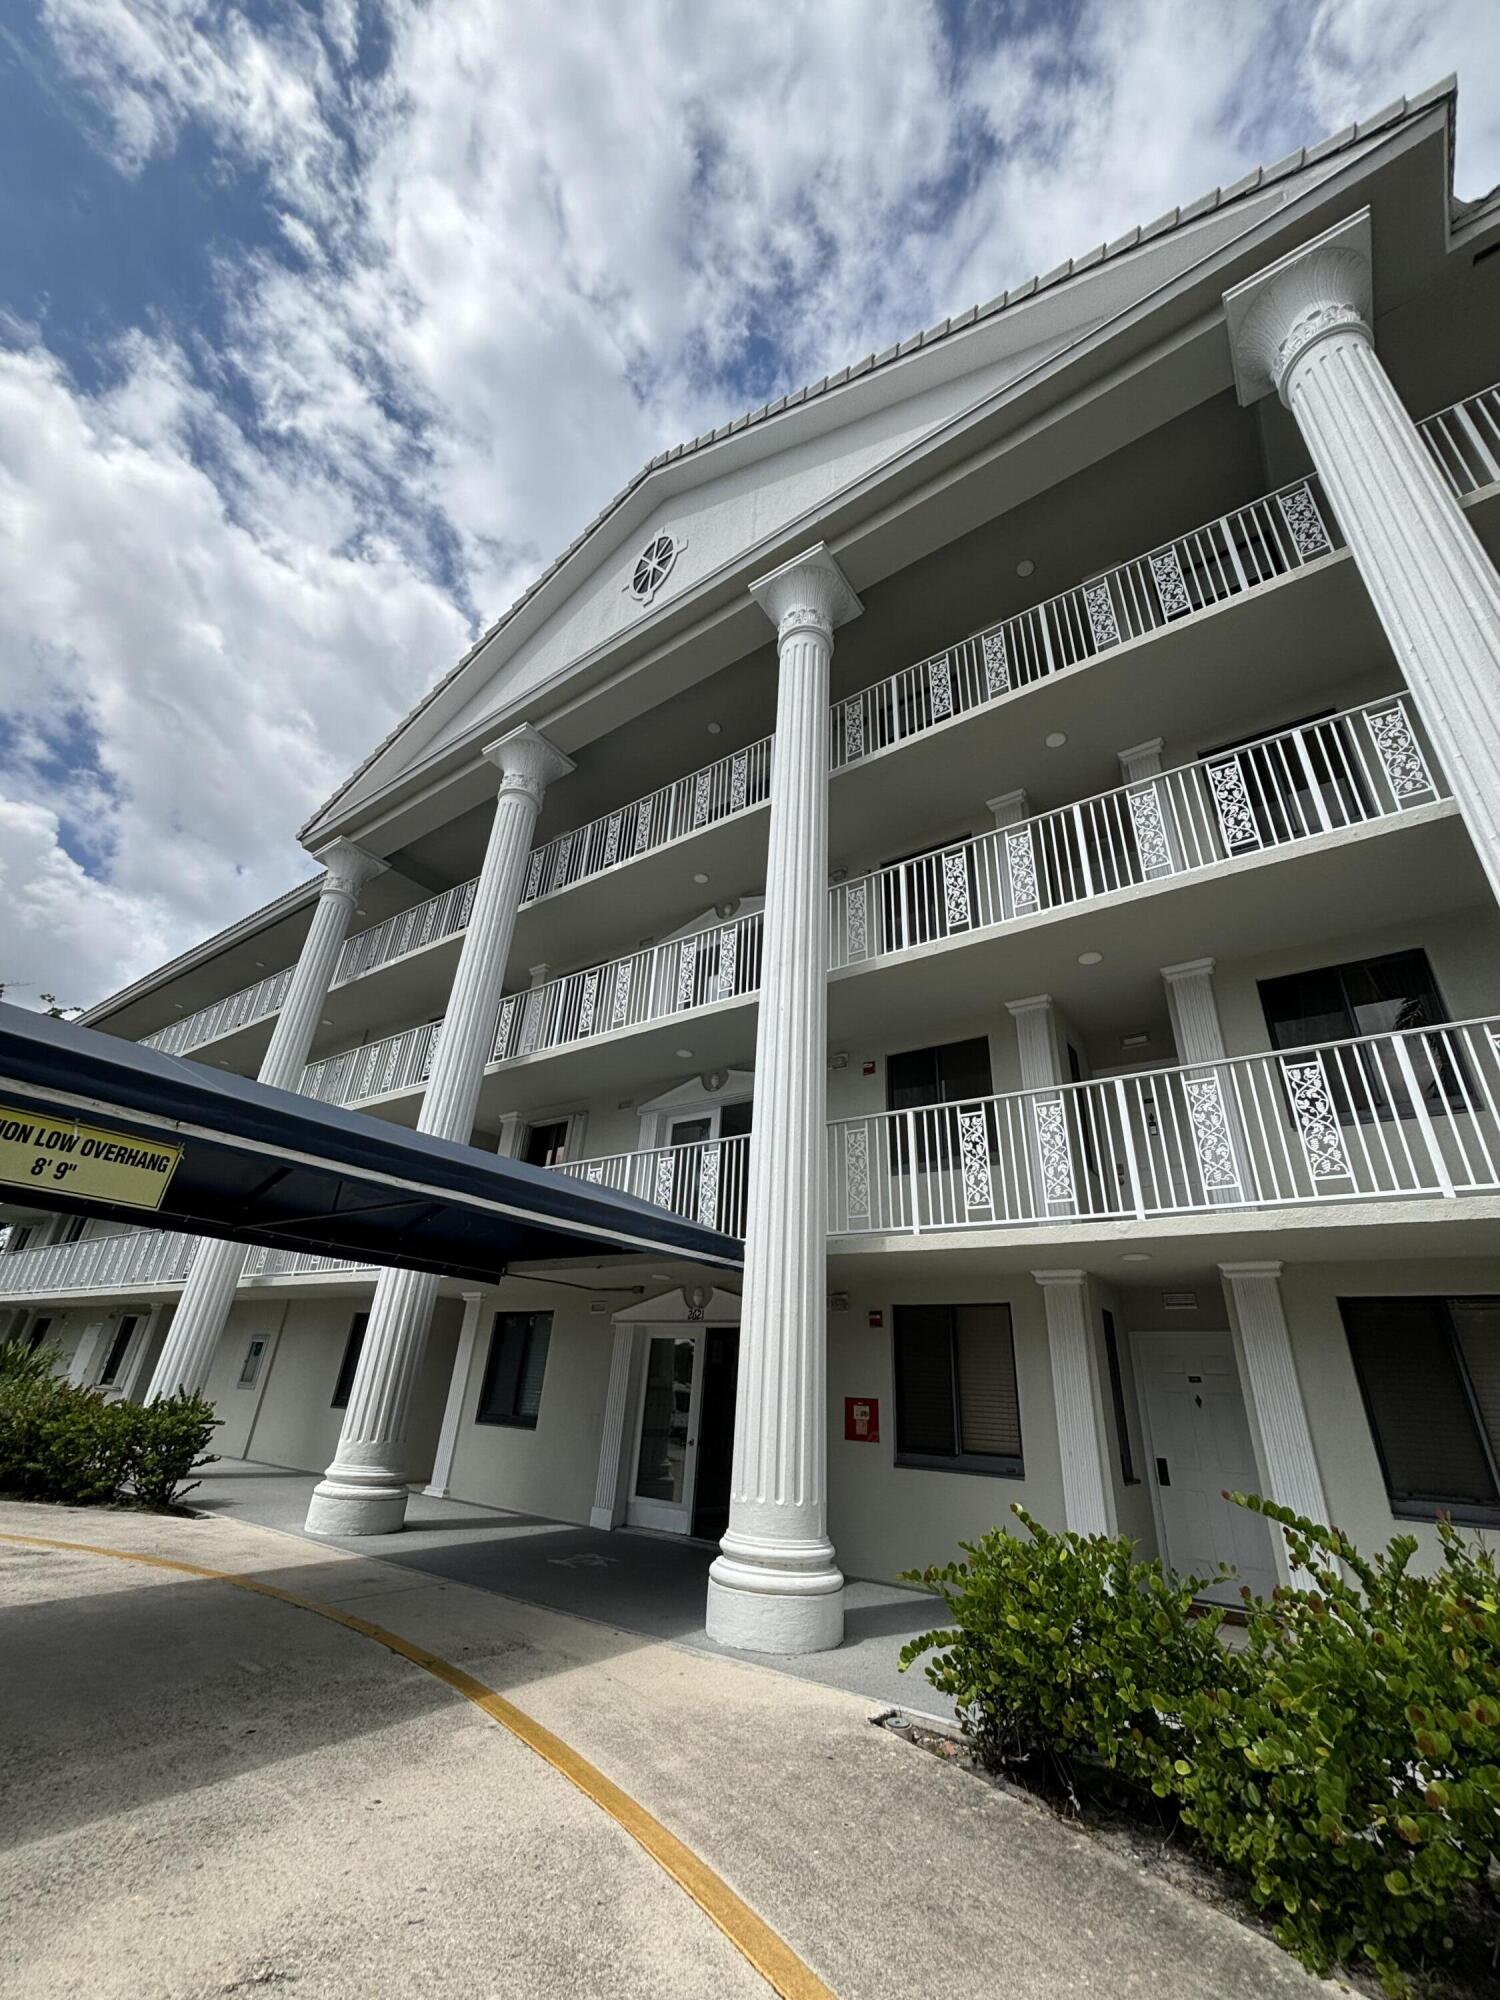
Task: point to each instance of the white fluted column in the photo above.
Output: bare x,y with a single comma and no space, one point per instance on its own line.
363,1491
1303,328
1049,1153
458,1389
775,1587
1088,1493
1213,1113
607,1510
1279,1433
217,1264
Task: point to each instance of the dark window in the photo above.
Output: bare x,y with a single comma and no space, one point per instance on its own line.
916,904
1369,996
1117,1398
511,1392
37,1334
72,1228
953,1073
17,1238
114,1361
1429,1371
956,1401
734,1119
350,1362
546,1145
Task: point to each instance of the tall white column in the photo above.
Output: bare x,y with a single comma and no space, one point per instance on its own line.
363,1491
775,1587
216,1267
1279,1432
1088,1493
458,1389
608,1510
1303,328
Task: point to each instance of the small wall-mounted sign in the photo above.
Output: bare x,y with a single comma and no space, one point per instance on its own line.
862,1419
877,1317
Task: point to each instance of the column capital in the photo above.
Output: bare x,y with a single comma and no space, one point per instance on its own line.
527,762
1009,808
1321,288
347,868
810,592
1036,1003
1142,760
1060,1277
1190,968
1270,1269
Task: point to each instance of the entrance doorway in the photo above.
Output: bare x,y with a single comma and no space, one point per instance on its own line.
1200,1449
684,1434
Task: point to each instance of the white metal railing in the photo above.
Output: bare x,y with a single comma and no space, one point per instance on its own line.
1465,441
672,978
441,916
705,1182
1409,1113
1239,552
251,1003
1369,763
376,1069
135,1257
718,791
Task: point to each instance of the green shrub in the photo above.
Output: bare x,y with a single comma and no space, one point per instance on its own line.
1356,1781
1346,1763
65,1444
1066,1644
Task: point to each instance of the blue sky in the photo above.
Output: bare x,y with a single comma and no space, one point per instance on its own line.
324,327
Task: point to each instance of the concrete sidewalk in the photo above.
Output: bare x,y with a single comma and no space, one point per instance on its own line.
652,1584
207,1792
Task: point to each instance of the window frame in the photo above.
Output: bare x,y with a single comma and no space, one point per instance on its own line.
1447,1084
1425,1507
987,1465
354,1341
1116,1370
511,1418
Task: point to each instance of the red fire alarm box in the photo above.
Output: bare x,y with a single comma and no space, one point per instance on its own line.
862,1419
877,1318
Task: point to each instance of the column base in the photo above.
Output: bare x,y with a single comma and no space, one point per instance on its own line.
347,1507
757,1609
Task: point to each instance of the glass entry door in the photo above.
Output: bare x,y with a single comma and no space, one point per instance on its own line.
666,1450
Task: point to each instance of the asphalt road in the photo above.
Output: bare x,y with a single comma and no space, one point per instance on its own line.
207,1792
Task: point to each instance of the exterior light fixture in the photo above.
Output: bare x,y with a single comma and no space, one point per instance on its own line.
716,729
1056,740
1091,958
700,880
1136,1257
1025,567
683,1055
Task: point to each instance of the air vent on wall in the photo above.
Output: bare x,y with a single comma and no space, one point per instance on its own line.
1179,1302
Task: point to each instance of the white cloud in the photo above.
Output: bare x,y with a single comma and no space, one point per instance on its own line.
542,244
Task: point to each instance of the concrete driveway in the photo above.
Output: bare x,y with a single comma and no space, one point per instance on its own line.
205,1791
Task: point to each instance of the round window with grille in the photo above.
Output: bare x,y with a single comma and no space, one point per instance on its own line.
652,568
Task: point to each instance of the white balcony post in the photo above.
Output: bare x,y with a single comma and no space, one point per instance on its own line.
1088,1492
217,1264
1155,811
1008,809
364,1490
775,1587
458,1388
1213,1116
1303,328
1041,1066
1284,1457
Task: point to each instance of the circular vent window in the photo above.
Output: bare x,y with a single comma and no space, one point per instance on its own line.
653,568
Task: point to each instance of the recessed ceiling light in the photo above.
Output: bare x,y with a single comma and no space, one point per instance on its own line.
683,1055
1136,1257
716,729
1025,567
700,879
1056,740
1091,958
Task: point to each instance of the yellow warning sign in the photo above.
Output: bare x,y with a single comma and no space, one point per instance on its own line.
54,1155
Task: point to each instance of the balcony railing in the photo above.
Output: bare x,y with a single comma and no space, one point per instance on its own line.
441,916
1465,441
1406,1114
672,978
1369,763
1225,558
134,1257
706,1182
251,1003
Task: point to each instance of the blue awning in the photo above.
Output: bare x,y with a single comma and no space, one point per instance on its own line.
267,1166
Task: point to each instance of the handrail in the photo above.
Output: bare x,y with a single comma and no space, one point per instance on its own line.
706,1181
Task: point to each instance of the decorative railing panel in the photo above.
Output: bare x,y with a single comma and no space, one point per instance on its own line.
1414,1113
376,1069
706,1182
1225,558
1369,763
441,916
251,1003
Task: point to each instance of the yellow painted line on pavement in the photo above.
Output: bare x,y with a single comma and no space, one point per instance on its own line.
772,1957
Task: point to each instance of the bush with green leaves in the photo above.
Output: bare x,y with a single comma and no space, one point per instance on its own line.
70,1445
1066,1645
1346,1763
1355,1782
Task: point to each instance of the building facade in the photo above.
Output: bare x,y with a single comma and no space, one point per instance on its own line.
1013,830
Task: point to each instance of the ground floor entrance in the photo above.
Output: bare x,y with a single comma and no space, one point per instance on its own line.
1199,1448
684,1438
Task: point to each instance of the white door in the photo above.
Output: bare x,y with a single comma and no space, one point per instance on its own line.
1200,1446
666,1433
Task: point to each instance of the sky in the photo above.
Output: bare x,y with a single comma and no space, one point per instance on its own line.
324,328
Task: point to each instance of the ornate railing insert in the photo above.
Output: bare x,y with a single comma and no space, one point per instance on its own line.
238,1010
1465,441
441,916
1370,763
1225,558
706,1182
1414,1113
